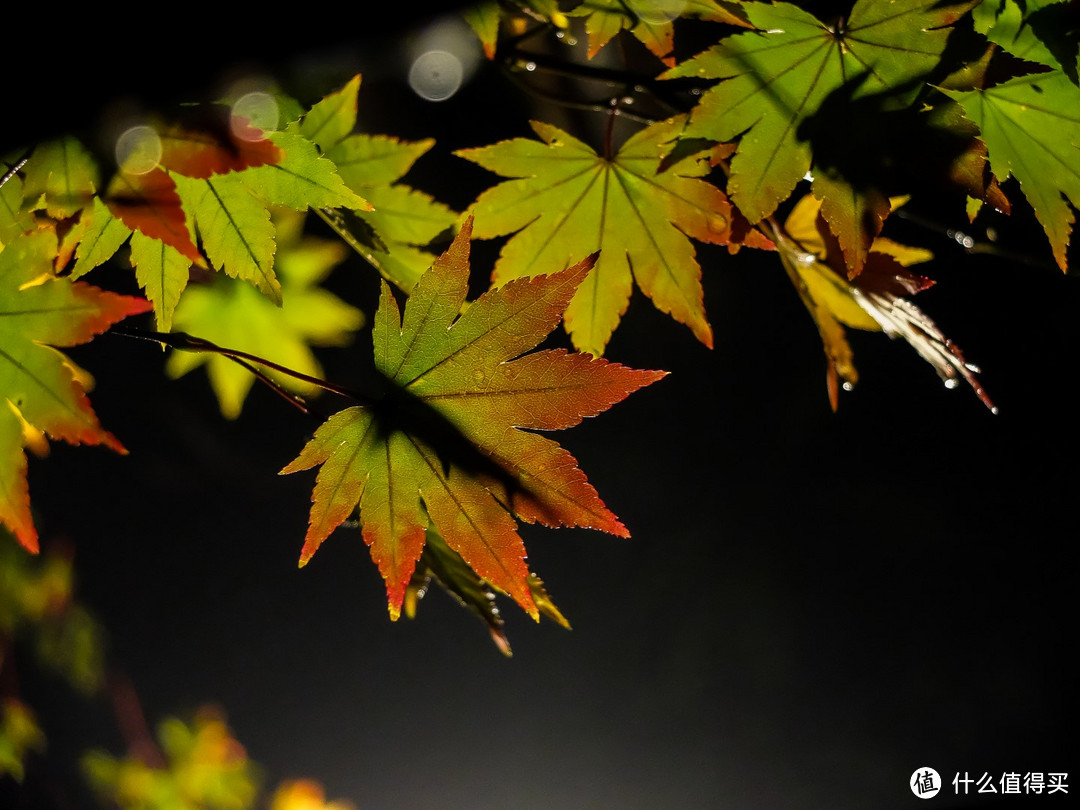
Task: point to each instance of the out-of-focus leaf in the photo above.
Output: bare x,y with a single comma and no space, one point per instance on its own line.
233,314
205,769
37,606
19,736
305,794
150,204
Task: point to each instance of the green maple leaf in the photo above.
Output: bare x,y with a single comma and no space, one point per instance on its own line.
449,444
1031,127
404,219
1042,31
231,313
650,21
41,391
777,78
567,202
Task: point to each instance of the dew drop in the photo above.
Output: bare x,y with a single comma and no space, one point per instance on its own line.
951,383
848,386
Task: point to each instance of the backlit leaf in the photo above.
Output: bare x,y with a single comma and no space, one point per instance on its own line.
449,443
102,237
1031,127
1042,31
302,178
235,229
775,79
40,389
566,201
875,300
404,220
162,272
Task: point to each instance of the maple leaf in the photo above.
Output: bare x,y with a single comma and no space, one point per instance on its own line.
1031,127
568,202
231,313
448,445
403,218
874,301
19,735
484,18
651,21
41,390
1042,31
776,79
441,563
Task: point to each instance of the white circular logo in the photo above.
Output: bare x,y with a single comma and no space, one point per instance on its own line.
925,782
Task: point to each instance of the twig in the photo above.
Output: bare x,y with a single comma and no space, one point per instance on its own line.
182,341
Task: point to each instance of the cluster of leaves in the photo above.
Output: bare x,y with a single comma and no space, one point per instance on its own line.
792,133
435,446
870,106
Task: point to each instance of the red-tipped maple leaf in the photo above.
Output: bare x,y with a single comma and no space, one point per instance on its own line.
449,445
41,390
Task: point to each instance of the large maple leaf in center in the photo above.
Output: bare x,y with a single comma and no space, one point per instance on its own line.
449,445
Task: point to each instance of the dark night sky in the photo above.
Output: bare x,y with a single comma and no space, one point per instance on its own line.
812,605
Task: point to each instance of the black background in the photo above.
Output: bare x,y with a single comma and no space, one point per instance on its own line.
812,605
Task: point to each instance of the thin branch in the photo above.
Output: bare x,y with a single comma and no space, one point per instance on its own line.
182,341
14,169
